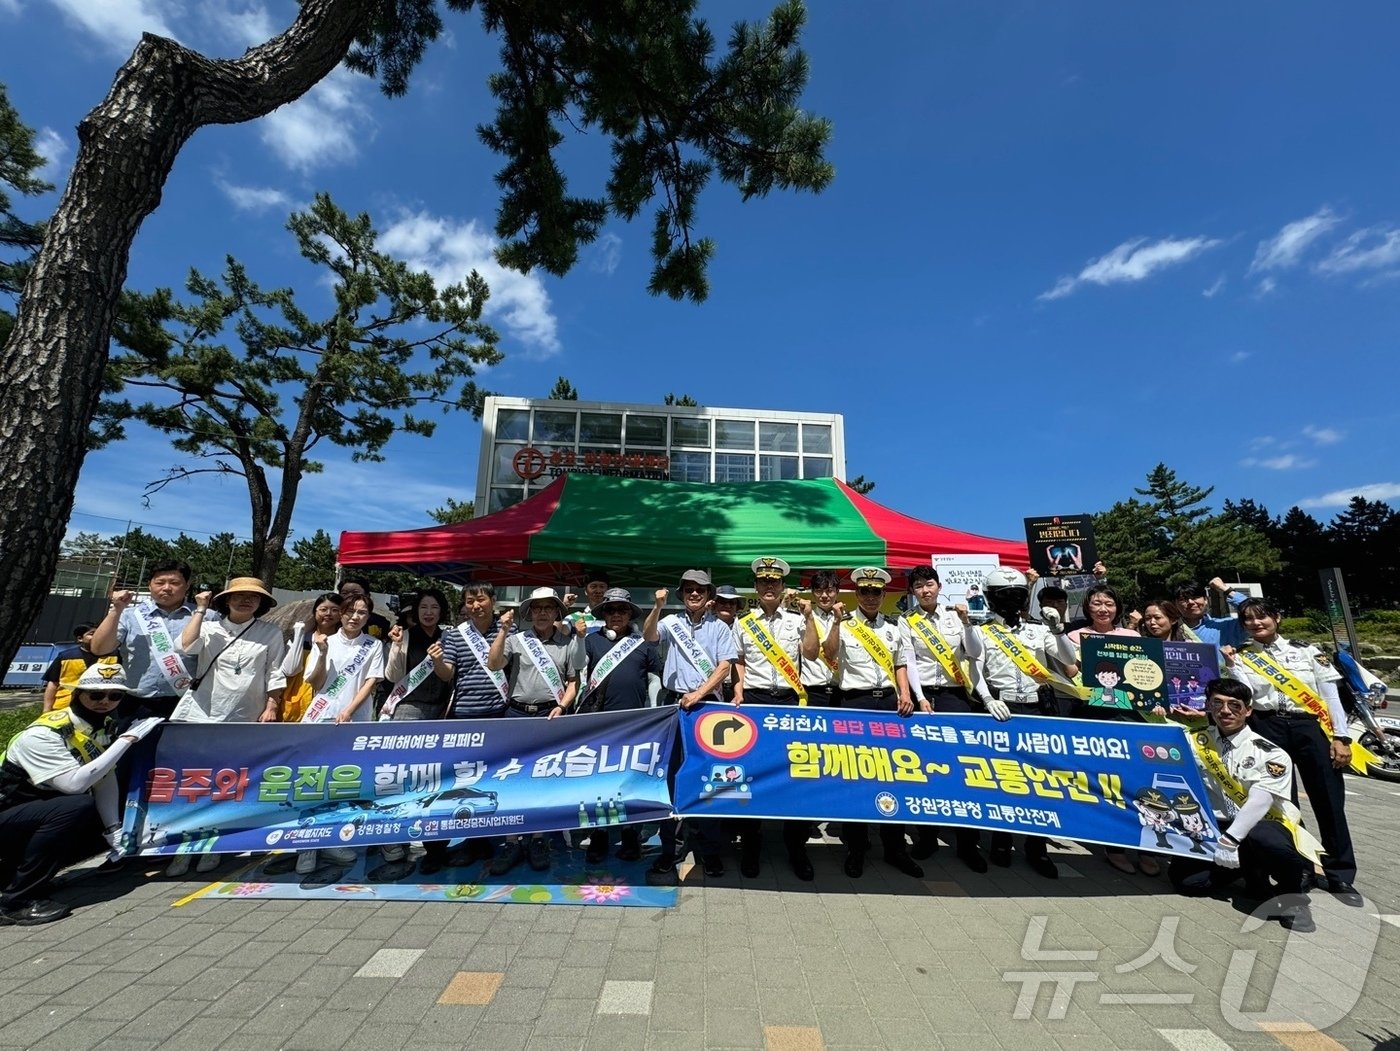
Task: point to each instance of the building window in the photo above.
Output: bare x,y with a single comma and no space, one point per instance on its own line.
777,468
503,497
503,473
555,428
816,467
690,467
733,467
816,438
600,428
734,434
777,437
646,430
513,425
689,431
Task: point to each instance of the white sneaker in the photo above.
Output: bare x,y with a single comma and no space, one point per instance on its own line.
306,862
179,865
207,863
394,852
340,855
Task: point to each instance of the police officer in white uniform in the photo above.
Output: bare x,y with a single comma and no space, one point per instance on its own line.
1297,732
1005,690
759,680
1249,845
865,683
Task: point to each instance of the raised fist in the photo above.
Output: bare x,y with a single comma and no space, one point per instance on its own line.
203,599
961,610
661,595
507,620
804,606
396,634
122,599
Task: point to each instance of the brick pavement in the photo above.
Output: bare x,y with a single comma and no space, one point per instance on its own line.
885,962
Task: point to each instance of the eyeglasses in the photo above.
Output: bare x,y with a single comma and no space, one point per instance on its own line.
694,589
104,695
1216,704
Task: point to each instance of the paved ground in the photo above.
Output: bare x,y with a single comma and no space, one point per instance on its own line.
956,961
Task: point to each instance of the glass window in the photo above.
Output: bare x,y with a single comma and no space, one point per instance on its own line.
503,472
776,468
503,497
816,438
646,430
734,434
734,467
690,467
816,467
777,437
513,425
601,428
555,427
688,431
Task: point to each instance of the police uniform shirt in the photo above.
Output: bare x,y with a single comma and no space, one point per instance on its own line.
818,672
946,623
527,685
1251,760
787,629
713,636
1302,660
41,752
999,673
859,671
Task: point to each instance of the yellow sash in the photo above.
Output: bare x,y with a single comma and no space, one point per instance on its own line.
86,749
834,665
776,657
1262,664
942,652
1026,662
873,645
1285,814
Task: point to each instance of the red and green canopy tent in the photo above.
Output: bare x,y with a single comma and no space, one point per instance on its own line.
649,531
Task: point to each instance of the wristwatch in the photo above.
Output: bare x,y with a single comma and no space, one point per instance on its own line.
1339,737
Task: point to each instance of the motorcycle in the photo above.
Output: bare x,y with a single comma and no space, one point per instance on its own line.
1363,696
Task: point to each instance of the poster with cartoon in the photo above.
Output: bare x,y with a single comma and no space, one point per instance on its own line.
962,577
1123,672
1061,545
1189,667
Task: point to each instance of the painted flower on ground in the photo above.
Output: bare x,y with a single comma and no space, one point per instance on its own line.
603,893
242,890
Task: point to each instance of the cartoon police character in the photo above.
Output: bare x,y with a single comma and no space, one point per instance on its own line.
1176,686
1155,813
1106,694
1191,821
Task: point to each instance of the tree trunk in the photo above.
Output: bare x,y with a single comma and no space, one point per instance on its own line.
51,367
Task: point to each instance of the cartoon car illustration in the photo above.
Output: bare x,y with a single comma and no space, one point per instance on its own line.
1171,783
465,802
307,817
726,777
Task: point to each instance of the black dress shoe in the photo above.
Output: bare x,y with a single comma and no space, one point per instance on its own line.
855,863
801,865
713,865
905,864
973,859
1043,866
630,850
1345,893
33,913
594,855
662,873
749,861
925,845
430,864
1297,917
1000,857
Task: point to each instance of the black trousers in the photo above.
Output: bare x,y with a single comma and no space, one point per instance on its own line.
1303,739
751,830
950,701
708,830
1267,851
40,837
1031,846
856,834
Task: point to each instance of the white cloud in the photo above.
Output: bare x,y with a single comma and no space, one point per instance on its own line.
1265,287
450,250
1131,261
1374,248
1286,248
325,126
254,198
1239,357
1386,491
248,24
1287,462
118,23
1214,289
9,7
1323,435
53,147
606,254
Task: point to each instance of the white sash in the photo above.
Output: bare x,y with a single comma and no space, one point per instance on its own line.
680,633
411,682
476,642
611,660
544,664
328,704
172,668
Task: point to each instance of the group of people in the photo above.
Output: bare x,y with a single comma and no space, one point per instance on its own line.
218,660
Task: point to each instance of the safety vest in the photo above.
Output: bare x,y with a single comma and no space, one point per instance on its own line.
15,785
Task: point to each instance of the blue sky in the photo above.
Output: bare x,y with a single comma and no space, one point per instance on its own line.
1065,241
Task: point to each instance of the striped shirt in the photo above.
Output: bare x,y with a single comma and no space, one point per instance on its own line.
473,692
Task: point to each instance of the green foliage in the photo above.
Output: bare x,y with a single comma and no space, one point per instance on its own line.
13,720
453,511
861,484
310,565
563,390
19,240
684,399
1389,618
394,346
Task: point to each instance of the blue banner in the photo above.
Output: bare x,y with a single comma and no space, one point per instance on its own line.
1125,784
250,786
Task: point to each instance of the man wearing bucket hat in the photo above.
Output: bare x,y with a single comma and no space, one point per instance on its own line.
545,662
58,795
698,653
873,676
768,641
620,663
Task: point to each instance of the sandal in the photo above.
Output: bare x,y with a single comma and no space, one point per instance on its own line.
1148,865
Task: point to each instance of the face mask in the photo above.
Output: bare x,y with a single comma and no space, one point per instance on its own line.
1007,602
609,634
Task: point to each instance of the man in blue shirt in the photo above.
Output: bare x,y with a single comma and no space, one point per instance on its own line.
1220,631
146,634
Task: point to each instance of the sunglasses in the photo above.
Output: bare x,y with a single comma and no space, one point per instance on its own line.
104,695
870,591
1216,704
694,589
